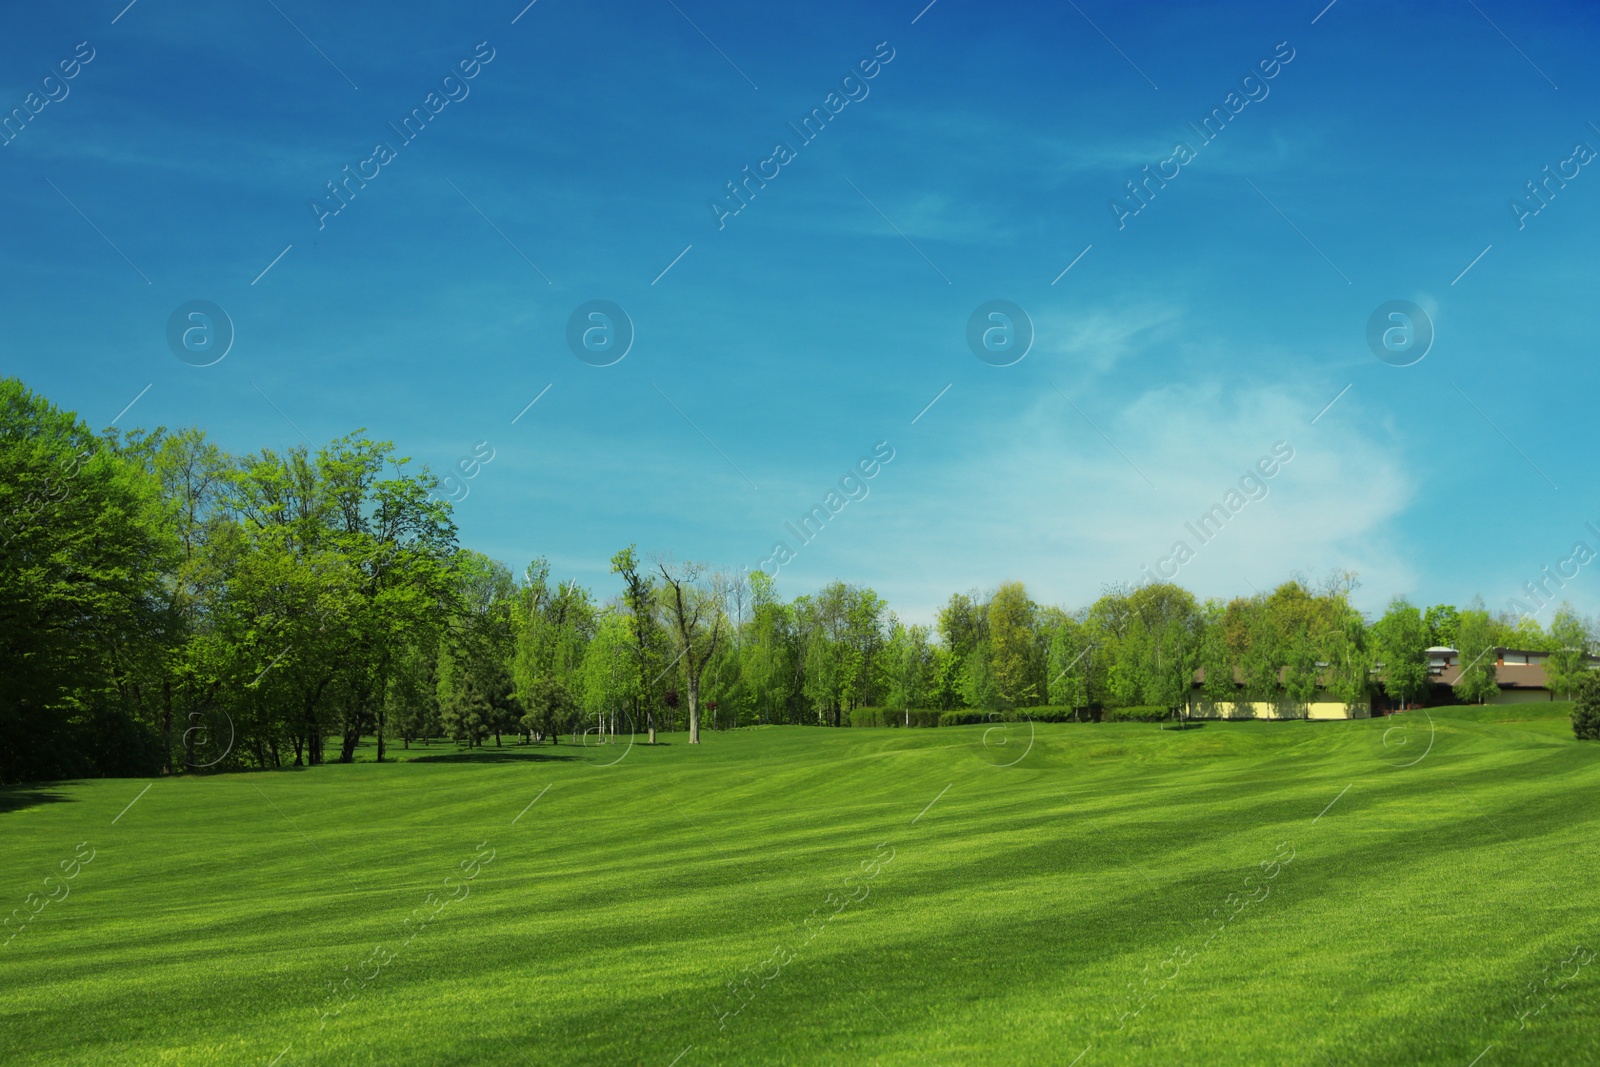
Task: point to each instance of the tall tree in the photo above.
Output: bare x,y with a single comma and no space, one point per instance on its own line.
609,676
1402,647
1444,623
1067,661
1217,686
476,688
640,599
1477,638
693,599
910,666
1568,662
1012,625
83,548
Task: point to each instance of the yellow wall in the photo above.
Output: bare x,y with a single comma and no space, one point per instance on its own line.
1261,709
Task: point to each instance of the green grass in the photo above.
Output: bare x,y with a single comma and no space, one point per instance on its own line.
1015,924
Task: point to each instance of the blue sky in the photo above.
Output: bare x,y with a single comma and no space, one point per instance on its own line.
582,159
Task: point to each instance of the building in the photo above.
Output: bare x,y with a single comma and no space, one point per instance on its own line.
1323,705
1518,672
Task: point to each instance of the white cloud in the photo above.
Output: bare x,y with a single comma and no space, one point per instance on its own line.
1042,498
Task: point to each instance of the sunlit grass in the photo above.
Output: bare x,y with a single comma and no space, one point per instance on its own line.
1028,913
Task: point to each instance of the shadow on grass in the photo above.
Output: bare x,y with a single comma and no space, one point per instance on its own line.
18,799
495,755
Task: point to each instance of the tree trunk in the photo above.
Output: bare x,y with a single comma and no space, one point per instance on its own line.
694,700
188,743
166,726
382,720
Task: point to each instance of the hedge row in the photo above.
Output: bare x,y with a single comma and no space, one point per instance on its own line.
1139,714
894,717
976,716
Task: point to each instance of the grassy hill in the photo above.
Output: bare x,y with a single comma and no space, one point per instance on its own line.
1384,892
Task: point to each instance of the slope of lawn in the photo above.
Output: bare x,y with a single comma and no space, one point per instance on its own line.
1399,891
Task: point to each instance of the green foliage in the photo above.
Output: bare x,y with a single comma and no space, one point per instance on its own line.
551,710
1568,663
609,675
1402,647
980,688
1477,638
840,637
949,679
864,717
1013,663
1444,625
963,625
1067,662
83,554
1586,708
909,665
1146,713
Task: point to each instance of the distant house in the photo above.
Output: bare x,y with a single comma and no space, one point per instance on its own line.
1518,672
1323,705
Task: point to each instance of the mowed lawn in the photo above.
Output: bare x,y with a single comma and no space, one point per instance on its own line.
1375,892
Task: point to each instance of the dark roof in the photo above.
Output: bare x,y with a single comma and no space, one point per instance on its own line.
1506,676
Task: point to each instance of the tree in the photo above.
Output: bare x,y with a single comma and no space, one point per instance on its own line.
551,709
609,675
825,667
979,688
693,600
1402,646
1067,661
551,627
412,695
1165,644
1477,640
639,597
1444,625
1216,660
1568,662
1256,644
1297,619
83,551
1012,625
963,624
949,679
771,661
1347,662
910,666
1586,709
476,690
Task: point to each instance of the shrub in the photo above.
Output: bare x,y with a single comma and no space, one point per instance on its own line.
1052,713
869,717
965,717
894,717
1137,714
1586,709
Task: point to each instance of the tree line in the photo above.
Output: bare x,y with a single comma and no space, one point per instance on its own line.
165,605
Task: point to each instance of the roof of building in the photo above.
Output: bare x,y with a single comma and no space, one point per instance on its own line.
1506,676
